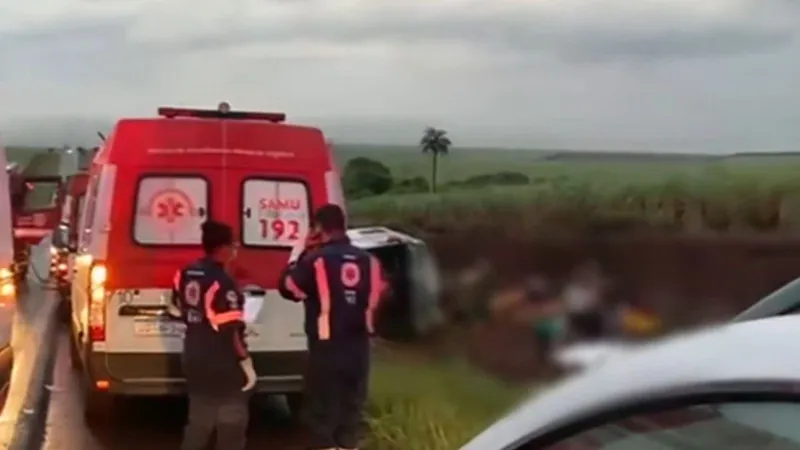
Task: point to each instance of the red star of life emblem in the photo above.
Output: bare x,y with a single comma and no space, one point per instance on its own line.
170,209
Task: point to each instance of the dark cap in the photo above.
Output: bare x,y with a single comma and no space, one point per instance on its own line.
215,235
330,218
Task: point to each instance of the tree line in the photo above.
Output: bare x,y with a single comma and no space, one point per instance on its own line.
364,177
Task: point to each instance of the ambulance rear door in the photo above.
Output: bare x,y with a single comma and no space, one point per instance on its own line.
275,218
168,212
277,196
160,202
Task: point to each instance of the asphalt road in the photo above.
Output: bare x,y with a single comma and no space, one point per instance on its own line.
6,325
145,423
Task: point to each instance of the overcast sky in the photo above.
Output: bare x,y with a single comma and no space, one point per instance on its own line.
660,74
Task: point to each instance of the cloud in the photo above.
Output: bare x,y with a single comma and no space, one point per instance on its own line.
608,71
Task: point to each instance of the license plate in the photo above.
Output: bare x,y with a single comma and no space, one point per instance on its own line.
157,328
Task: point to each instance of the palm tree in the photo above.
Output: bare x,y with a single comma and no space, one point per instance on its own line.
435,142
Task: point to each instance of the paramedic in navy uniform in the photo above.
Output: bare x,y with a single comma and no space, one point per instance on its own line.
340,286
218,369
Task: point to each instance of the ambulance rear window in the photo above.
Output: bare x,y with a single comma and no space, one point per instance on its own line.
169,210
276,212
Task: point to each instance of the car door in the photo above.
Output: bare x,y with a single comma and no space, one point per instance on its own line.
751,418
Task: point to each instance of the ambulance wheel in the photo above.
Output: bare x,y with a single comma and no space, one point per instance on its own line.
294,401
97,407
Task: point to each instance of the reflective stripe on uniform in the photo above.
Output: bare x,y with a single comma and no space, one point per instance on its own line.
227,317
209,303
376,288
176,281
213,317
323,288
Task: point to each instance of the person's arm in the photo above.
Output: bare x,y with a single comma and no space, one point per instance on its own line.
225,311
296,281
175,309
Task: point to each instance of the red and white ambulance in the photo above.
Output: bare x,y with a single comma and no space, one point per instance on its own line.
151,185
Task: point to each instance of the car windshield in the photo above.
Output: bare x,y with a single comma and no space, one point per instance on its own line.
764,426
41,195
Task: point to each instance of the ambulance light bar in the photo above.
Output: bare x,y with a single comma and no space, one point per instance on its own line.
222,112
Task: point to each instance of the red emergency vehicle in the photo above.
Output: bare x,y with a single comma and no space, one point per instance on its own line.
35,207
151,185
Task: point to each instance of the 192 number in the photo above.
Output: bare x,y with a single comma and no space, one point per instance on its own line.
278,229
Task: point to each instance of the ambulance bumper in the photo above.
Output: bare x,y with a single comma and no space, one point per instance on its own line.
142,374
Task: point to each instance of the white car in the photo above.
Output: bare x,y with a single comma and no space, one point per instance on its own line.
783,301
735,386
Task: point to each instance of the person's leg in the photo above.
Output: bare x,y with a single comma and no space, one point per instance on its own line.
319,415
200,423
232,417
353,394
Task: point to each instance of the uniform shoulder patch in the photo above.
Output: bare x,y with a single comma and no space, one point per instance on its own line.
232,297
191,293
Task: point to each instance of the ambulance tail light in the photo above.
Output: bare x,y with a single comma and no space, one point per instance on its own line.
97,302
223,111
7,286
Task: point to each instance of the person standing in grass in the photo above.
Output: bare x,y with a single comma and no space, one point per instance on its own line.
583,300
537,306
340,287
546,315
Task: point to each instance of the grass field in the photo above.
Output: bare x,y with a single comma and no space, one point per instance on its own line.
461,163
425,405
740,191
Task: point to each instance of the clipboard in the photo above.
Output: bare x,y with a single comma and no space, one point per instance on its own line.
253,302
